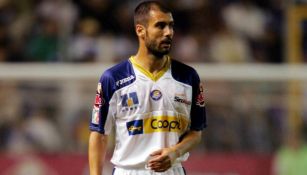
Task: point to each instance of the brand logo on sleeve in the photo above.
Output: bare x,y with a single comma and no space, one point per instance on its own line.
200,99
99,88
95,115
99,101
124,80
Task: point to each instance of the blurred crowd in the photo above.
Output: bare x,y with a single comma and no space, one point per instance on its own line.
45,117
102,30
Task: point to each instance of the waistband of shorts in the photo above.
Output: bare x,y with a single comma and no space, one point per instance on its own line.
177,165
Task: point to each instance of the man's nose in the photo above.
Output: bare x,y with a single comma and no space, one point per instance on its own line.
168,31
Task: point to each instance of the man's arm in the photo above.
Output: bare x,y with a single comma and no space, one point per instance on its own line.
162,159
97,151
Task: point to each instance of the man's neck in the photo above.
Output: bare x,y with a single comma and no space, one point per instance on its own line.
150,63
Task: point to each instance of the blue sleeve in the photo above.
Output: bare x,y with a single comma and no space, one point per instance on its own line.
104,93
198,111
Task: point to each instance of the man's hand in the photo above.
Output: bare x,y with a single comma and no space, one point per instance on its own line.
161,160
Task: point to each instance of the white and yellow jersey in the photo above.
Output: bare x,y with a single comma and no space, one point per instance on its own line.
148,112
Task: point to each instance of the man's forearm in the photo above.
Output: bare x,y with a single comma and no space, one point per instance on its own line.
97,151
190,140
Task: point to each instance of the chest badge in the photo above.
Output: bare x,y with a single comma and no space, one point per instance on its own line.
156,94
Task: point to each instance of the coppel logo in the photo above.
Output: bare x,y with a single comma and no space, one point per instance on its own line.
157,124
135,127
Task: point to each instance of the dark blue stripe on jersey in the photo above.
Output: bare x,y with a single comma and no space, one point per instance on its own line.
187,75
115,78
121,75
183,73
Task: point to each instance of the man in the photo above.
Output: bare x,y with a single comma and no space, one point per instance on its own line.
155,104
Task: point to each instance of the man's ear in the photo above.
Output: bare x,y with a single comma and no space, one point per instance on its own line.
140,30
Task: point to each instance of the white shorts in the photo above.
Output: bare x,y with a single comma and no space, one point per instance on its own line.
171,171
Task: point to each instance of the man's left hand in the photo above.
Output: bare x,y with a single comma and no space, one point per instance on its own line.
161,160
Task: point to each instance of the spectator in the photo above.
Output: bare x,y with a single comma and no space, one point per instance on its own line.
43,44
227,47
84,45
43,133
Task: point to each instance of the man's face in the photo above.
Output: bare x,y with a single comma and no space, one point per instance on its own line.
159,33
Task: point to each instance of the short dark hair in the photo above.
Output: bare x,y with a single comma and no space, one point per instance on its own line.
142,10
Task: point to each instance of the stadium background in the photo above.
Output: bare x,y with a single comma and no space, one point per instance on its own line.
250,54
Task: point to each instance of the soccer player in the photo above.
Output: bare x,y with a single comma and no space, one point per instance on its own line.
155,104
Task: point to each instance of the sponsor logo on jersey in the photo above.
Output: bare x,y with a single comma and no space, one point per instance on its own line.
181,98
156,94
99,88
135,127
124,80
130,101
200,99
157,124
95,115
163,124
98,98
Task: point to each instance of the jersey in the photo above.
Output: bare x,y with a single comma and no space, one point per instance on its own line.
147,112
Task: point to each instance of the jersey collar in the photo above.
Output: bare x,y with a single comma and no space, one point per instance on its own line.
149,74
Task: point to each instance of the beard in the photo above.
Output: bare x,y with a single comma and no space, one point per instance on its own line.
155,48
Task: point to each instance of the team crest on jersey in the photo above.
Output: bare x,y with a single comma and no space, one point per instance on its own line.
200,99
130,101
156,94
95,116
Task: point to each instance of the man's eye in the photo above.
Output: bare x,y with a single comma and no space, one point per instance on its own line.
160,25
